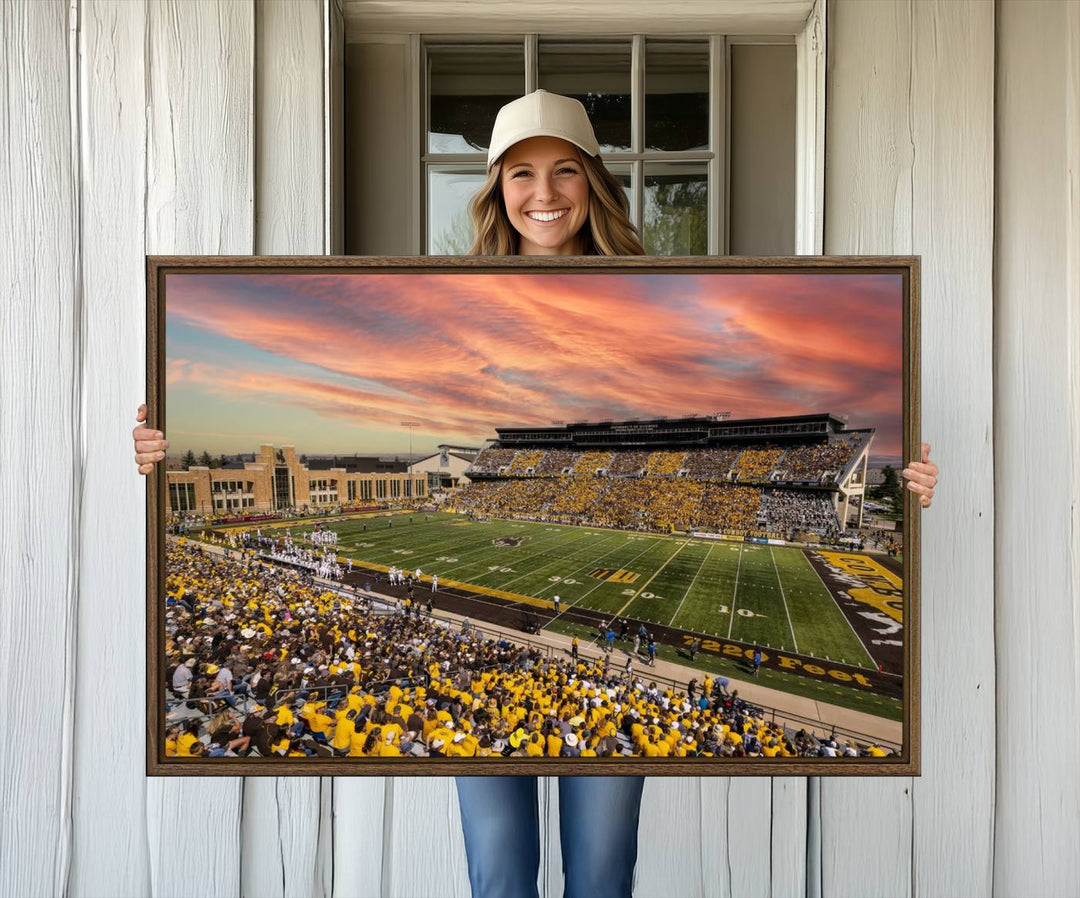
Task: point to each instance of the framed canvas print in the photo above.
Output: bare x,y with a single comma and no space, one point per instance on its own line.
533,516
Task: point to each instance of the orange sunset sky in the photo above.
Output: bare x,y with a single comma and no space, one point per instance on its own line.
334,363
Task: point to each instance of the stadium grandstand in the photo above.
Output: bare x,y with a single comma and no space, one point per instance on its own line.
793,477
261,660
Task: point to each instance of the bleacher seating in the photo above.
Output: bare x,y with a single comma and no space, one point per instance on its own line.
665,488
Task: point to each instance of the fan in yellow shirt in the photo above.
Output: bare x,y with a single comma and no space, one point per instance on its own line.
357,741
184,744
461,746
554,745
343,732
441,732
389,747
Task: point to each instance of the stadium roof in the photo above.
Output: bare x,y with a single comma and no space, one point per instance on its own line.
697,430
469,457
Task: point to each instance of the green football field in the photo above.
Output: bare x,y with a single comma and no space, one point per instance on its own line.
759,594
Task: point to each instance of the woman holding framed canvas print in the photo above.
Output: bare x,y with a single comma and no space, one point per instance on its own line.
548,193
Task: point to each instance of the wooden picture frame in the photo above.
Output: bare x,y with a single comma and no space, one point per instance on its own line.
637,356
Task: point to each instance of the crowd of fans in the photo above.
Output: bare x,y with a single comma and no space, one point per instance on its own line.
556,461
644,503
817,461
710,464
526,460
591,462
629,462
260,662
185,522
730,509
651,504
790,511
490,460
508,498
748,464
664,464
576,496
755,464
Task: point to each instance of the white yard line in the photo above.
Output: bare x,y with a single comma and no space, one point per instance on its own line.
735,591
384,543
630,601
484,547
692,582
584,596
585,567
828,592
562,560
783,598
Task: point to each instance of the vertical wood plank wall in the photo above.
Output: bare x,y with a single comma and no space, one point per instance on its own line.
282,817
109,819
1037,448
179,127
868,209
200,198
41,430
909,169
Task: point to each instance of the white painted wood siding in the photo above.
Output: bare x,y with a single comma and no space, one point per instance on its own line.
134,127
909,169
109,819
200,199
1037,450
285,849
41,436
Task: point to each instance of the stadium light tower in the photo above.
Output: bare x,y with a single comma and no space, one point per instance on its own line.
412,425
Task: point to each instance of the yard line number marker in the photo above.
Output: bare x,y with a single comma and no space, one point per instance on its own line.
645,585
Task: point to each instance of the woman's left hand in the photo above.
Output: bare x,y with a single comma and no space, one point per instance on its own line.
922,477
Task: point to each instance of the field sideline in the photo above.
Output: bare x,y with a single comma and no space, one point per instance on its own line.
752,593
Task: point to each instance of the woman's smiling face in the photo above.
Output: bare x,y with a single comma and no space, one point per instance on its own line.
546,195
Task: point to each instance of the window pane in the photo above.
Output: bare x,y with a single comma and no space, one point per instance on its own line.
623,175
676,209
597,74
762,176
450,231
466,86
676,95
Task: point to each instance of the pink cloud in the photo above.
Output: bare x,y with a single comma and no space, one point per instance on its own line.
468,351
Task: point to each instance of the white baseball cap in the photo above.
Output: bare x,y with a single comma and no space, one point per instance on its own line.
541,114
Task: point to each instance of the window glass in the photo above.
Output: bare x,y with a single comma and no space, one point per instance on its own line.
623,174
467,84
597,74
676,95
450,231
676,209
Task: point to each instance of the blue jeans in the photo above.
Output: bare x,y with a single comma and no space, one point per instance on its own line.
598,823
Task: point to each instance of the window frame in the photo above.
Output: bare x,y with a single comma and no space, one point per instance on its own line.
809,42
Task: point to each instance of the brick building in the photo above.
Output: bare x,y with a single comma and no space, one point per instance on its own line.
276,479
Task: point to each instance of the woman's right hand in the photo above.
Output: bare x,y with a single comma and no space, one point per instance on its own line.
150,444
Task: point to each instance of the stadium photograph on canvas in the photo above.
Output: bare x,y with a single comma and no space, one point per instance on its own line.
588,516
